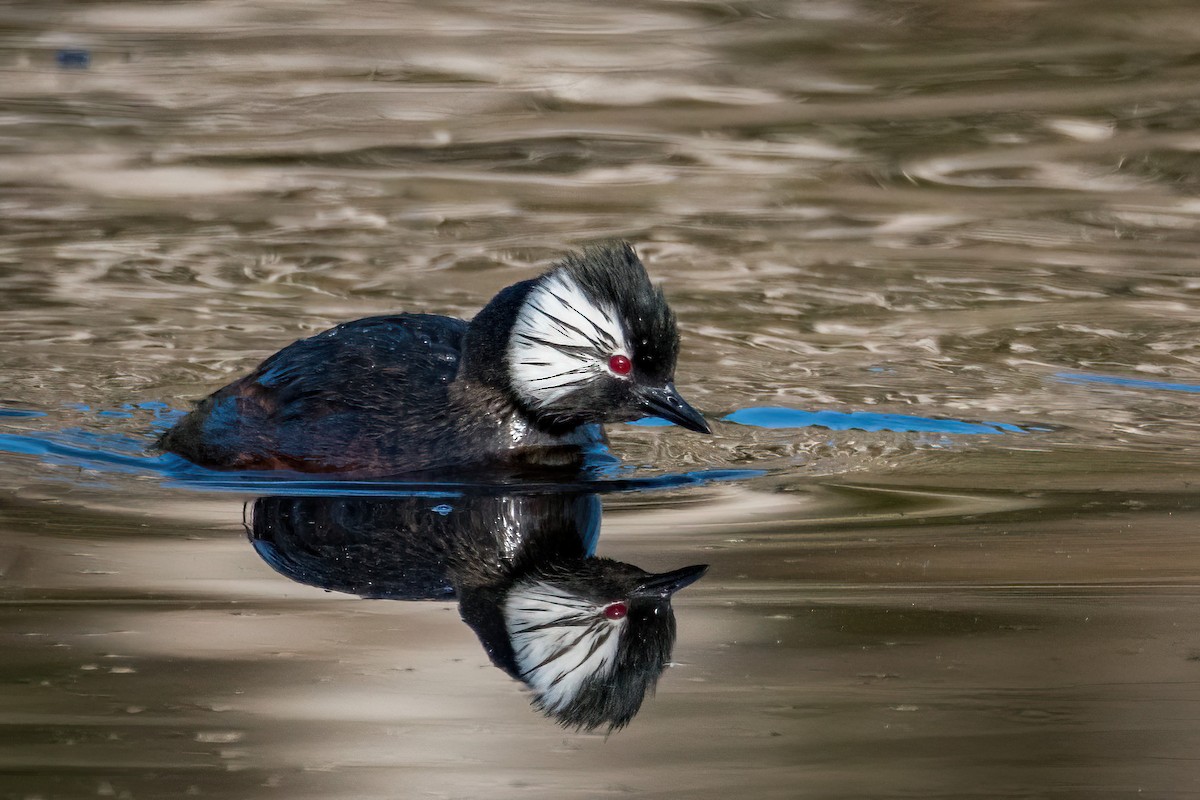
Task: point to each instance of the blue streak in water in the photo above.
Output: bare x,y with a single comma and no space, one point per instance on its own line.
777,417
652,422
1133,383
70,449
20,412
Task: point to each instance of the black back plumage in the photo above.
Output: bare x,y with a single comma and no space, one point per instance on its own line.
358,394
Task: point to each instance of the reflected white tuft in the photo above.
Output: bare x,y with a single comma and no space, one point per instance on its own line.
562,339
560,641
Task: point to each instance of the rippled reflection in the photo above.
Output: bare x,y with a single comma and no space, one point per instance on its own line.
588,635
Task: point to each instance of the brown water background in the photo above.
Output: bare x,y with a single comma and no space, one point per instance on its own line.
976,211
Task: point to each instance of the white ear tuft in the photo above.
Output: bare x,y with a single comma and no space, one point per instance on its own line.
561,340
560,641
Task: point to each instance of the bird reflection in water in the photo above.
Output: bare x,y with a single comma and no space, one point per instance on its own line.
588,635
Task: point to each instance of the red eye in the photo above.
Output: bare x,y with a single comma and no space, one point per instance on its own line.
616,610
620,364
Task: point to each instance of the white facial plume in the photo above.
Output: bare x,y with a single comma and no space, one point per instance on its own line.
561,640
563,339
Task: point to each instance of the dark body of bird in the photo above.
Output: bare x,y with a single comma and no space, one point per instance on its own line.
369,395
528,381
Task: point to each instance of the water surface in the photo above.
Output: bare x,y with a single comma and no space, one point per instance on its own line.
935,269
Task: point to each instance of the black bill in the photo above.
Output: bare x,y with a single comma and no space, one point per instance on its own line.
665,584
665,402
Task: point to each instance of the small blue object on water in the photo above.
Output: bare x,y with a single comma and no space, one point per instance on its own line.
776,417
651,422
442,509
1132,383
73,58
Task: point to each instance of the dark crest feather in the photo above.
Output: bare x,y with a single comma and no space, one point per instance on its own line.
613,272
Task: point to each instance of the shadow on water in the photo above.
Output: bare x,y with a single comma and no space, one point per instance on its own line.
590,636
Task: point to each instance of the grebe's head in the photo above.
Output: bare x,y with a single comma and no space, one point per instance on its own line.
591,641
591,340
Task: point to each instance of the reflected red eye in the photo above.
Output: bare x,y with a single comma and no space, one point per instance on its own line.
620,364
616,610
